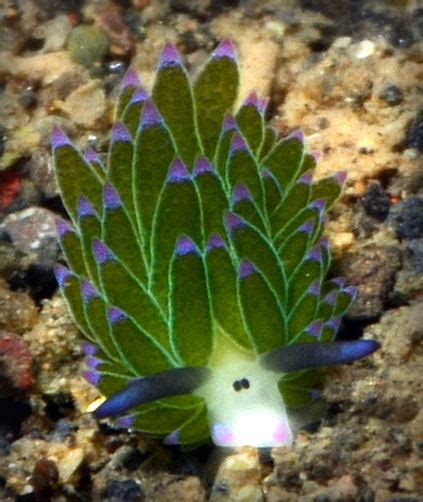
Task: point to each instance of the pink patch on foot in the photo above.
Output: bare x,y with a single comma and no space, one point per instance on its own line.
222,435
282,434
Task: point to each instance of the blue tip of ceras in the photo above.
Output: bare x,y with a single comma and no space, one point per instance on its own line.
120,133
341,177
130,79
229,123
318,204
241,193
315,329
238,144
92,376
59,138
306,178
140,96
215,242
307,227
170,56
298,135
254,101
88,291
89,349
63,227
102,253
246,269
150,116
185,245
85,208
233,222
202,166
314,288
315,254
62,274
225,49
178,172
116,315
91,156
173,438
111,197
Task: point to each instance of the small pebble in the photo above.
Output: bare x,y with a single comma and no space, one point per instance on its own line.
414,137
376,202
392,95
123,491
408,218
88,45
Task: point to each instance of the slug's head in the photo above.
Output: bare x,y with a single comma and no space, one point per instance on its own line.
242,396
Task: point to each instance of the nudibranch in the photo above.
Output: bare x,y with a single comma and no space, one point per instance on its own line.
197,263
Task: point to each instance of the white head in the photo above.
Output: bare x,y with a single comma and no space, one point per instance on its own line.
245,405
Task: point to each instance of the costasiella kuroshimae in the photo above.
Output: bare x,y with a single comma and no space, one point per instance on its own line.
197,264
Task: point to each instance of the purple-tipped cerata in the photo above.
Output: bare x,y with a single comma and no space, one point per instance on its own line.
251,100
111,197
202,166
298,134
229,124
238,144
63,227
315,329
246,269
59,138
102,253
319,204
215,242
185,245
92,376
314,288
170,56
116,315
130,79
178,172
91,156
140,95
241,193
89,349
315,254
120,133
307,227
197,264
150,116
62,274
225,49
233,222
341,177
306,178
85,208
88,291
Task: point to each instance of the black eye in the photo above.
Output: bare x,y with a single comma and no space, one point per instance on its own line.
245,383
237,385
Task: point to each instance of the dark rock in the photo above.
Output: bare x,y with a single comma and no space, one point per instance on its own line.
13,412
123,491
392,95
376,202
45,477
415,248
28,97
372,270
414,138
407,217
